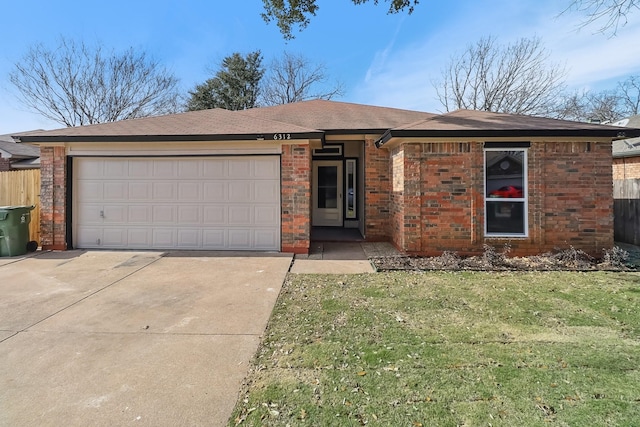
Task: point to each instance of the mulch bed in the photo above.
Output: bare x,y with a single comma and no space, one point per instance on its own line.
562,260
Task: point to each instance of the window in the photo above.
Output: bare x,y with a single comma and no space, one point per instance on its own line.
506,191
351,199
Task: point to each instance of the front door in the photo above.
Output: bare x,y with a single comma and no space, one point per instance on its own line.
327,193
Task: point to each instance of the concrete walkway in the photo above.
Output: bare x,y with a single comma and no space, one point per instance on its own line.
341,257
105,338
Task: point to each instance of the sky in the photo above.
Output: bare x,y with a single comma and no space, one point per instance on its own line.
380,59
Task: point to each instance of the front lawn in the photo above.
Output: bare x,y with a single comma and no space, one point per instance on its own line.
449,349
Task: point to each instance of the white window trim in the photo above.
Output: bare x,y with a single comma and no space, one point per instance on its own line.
524,200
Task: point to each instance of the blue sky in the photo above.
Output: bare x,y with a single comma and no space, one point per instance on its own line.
387,60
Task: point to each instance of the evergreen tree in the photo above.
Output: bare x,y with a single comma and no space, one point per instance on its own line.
235,86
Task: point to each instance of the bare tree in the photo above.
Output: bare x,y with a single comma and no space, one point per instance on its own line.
629,92
293,78
516,78
608,14
75,84
600,107
604,106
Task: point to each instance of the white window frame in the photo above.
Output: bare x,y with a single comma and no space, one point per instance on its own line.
524,200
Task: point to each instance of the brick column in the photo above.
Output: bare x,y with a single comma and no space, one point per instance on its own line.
53,173
296,198
377,191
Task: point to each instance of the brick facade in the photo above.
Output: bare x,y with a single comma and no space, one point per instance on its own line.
441,205
377,183
53,172
425,198
5,164
626,168
296,198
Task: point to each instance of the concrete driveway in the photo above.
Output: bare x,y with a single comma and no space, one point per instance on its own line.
103,338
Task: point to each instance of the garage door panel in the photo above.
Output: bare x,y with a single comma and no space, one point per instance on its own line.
139,214
164,214
115,214
266,169
266,191
114,238
89,191
214,169
189,191
215,215
141,191
164,170
165,191
115,191
91,213
90,168
239,191
163,238
265,215
212,203
240,169
265,239
239,239
240,215
189,215
189,169
89,237
189,238
138,168
214,238
214,191
116,170
139,238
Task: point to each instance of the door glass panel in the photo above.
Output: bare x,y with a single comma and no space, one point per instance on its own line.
327,187
351,188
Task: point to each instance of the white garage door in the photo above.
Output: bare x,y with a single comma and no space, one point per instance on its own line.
208,203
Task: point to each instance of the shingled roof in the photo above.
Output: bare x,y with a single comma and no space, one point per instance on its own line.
314,119
472,123
17,151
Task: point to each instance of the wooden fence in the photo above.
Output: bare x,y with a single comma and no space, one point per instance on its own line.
22,188
626,210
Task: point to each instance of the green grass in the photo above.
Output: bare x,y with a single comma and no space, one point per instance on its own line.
449,349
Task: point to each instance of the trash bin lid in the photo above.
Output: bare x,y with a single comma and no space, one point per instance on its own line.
7,208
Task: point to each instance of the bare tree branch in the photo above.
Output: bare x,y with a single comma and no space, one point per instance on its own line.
75,84
515,78
293,78
610,15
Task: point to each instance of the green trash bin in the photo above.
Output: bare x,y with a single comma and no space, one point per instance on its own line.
14,230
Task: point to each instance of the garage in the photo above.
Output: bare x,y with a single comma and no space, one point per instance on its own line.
193,203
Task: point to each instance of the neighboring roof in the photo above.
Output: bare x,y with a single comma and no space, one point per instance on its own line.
338,117
472,123
631,122
627,147
17,151
32,163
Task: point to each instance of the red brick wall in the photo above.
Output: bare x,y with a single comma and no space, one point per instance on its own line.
626,168
570,202
296,198
377,186
53,173
5,165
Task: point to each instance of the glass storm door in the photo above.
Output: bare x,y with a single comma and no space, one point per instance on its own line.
327,193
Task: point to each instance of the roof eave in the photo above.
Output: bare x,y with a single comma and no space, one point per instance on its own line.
494,133
165,138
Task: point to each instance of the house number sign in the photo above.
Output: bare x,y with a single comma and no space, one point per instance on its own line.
279,136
